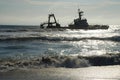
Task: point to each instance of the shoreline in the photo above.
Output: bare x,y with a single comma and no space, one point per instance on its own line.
88,73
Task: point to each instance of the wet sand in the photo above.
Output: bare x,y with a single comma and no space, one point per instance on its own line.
88,73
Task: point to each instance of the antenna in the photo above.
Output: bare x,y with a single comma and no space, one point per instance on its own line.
80,14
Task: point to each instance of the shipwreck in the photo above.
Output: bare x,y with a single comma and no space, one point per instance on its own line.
78,23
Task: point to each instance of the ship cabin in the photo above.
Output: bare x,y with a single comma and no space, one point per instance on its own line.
79,23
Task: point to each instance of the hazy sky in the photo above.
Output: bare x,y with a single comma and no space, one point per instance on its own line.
33,12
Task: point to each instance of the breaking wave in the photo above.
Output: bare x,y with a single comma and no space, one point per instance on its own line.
8,64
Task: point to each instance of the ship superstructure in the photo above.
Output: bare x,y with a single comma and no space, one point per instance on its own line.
50,24
79,23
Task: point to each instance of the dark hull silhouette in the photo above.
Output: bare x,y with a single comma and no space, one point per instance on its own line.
92,27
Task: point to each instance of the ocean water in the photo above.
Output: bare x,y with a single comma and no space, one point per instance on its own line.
33,41
26,42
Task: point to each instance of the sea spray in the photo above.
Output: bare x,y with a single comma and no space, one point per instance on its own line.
73,62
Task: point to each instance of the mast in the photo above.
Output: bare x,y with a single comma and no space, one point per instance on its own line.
80,14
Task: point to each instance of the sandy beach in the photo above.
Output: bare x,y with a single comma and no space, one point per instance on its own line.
88,73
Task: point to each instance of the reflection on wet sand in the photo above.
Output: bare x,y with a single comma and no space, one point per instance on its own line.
89,73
